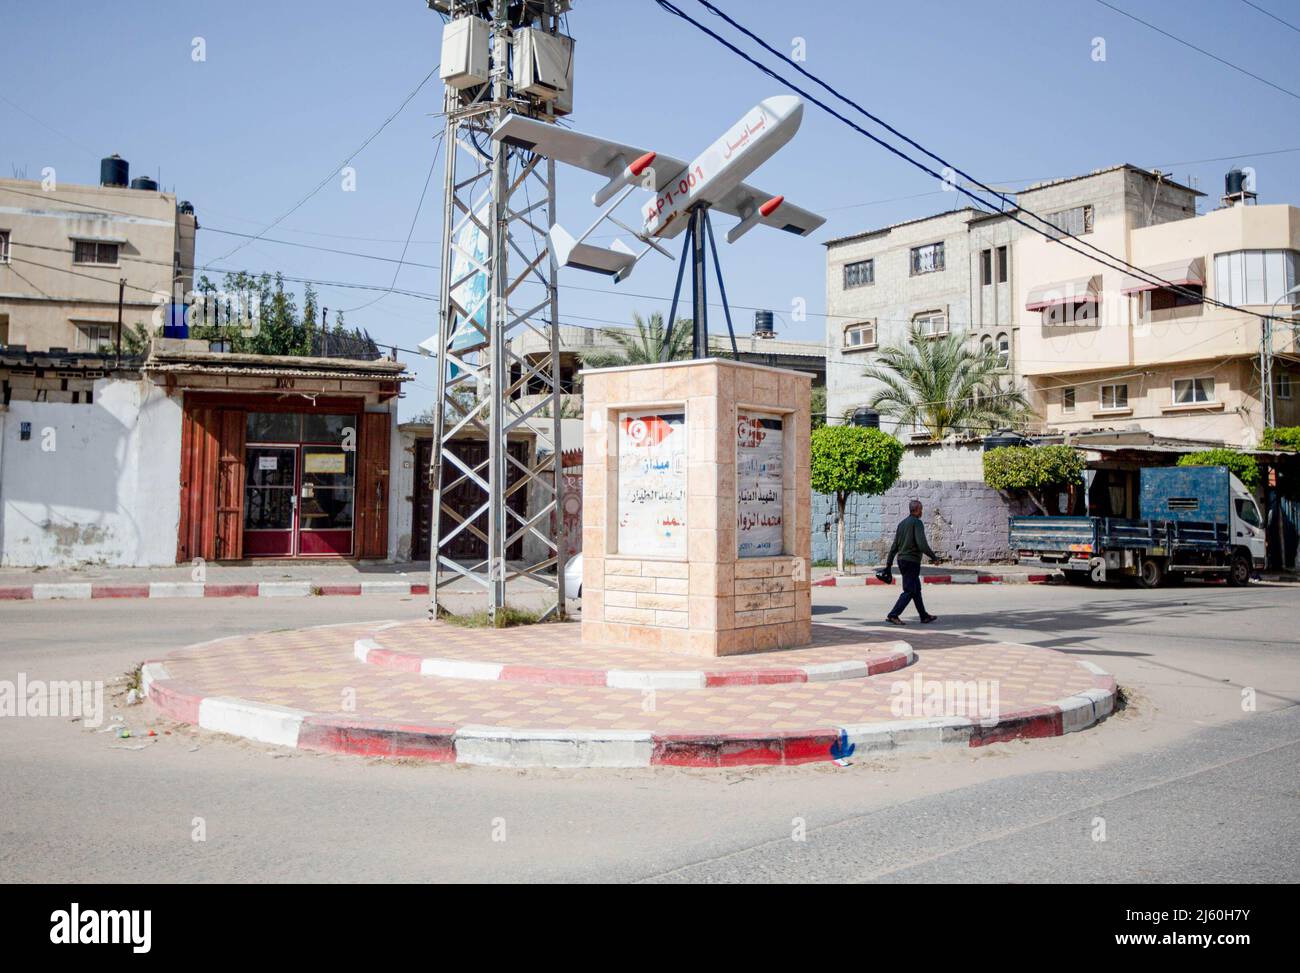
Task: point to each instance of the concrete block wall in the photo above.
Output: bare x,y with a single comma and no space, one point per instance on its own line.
965,521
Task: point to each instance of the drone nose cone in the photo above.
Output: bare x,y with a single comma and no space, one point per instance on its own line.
785,107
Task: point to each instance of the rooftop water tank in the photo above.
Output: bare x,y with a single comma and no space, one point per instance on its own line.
763,325
866,418
114,171
1004,437
145,183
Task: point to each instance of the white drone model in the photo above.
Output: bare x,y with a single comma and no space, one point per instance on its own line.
681,190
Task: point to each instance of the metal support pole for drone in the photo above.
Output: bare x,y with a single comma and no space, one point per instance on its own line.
698,231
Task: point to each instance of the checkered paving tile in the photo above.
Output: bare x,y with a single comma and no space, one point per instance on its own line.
560,646
315,670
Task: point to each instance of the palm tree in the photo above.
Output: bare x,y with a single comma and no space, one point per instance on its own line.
640,344
941,385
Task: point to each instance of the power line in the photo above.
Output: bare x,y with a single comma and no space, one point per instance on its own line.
310,246
1266,13
415,217
1201,50
373,135
44,124
1060,234
1057,234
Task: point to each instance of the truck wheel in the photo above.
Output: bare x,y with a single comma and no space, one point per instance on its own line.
1078,578
1239,571
1150,574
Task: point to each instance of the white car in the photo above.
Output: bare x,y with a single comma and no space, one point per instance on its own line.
573,576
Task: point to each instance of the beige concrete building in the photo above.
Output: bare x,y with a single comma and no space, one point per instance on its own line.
64,248
960,271
1106,349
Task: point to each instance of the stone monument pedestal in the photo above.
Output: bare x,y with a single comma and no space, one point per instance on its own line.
696,526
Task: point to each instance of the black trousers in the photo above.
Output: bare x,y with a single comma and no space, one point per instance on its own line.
911,572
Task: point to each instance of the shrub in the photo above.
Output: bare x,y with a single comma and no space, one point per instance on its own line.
1246,468
1031,470
1282,437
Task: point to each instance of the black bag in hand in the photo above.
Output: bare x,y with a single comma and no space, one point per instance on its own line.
884,574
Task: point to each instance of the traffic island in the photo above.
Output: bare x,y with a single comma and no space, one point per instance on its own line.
309,690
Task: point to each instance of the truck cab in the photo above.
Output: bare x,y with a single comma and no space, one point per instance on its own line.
1248,524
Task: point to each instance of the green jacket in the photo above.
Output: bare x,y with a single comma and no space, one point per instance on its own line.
909,542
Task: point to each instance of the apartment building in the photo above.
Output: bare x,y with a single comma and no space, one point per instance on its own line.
64,248
1105,349
882,283
962,271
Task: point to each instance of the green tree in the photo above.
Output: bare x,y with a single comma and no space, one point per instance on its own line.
851,459
941,385
1281,437
1031,470
640,344
1246,468
817,406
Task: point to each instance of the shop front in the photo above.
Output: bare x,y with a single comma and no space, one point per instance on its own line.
292,460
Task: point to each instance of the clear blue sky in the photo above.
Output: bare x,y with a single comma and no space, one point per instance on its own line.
1008,90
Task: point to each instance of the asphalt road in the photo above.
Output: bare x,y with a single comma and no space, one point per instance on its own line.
1185,783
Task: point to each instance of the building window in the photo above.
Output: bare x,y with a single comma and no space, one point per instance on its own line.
986,345
1165,299
1002,265
860,336
931,324
4,246
1114,397
93,252
1282,385
859,274
95,337
1004,350
986,267
927,259
1191,391
1070,222
1255,276
1067,399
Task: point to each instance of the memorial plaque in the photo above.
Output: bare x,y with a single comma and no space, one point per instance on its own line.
652,483
760,477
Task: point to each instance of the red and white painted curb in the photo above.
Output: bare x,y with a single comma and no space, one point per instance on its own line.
856,580
83,590
894,655
514,747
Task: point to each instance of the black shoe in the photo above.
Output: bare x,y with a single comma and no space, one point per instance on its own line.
927,619
894,620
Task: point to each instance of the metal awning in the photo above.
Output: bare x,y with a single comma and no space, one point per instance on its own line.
1083,290
1179,273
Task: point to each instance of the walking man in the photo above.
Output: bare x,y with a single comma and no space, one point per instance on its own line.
909,544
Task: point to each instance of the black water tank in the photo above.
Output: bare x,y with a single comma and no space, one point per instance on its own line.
145,183
866,418
763,325
114,171
1004,437
1234,183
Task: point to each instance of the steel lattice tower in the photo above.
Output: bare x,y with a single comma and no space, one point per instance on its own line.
508,193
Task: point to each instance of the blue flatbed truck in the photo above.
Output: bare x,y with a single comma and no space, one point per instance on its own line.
1192,520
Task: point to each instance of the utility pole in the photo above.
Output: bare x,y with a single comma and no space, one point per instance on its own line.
121,296
498,203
